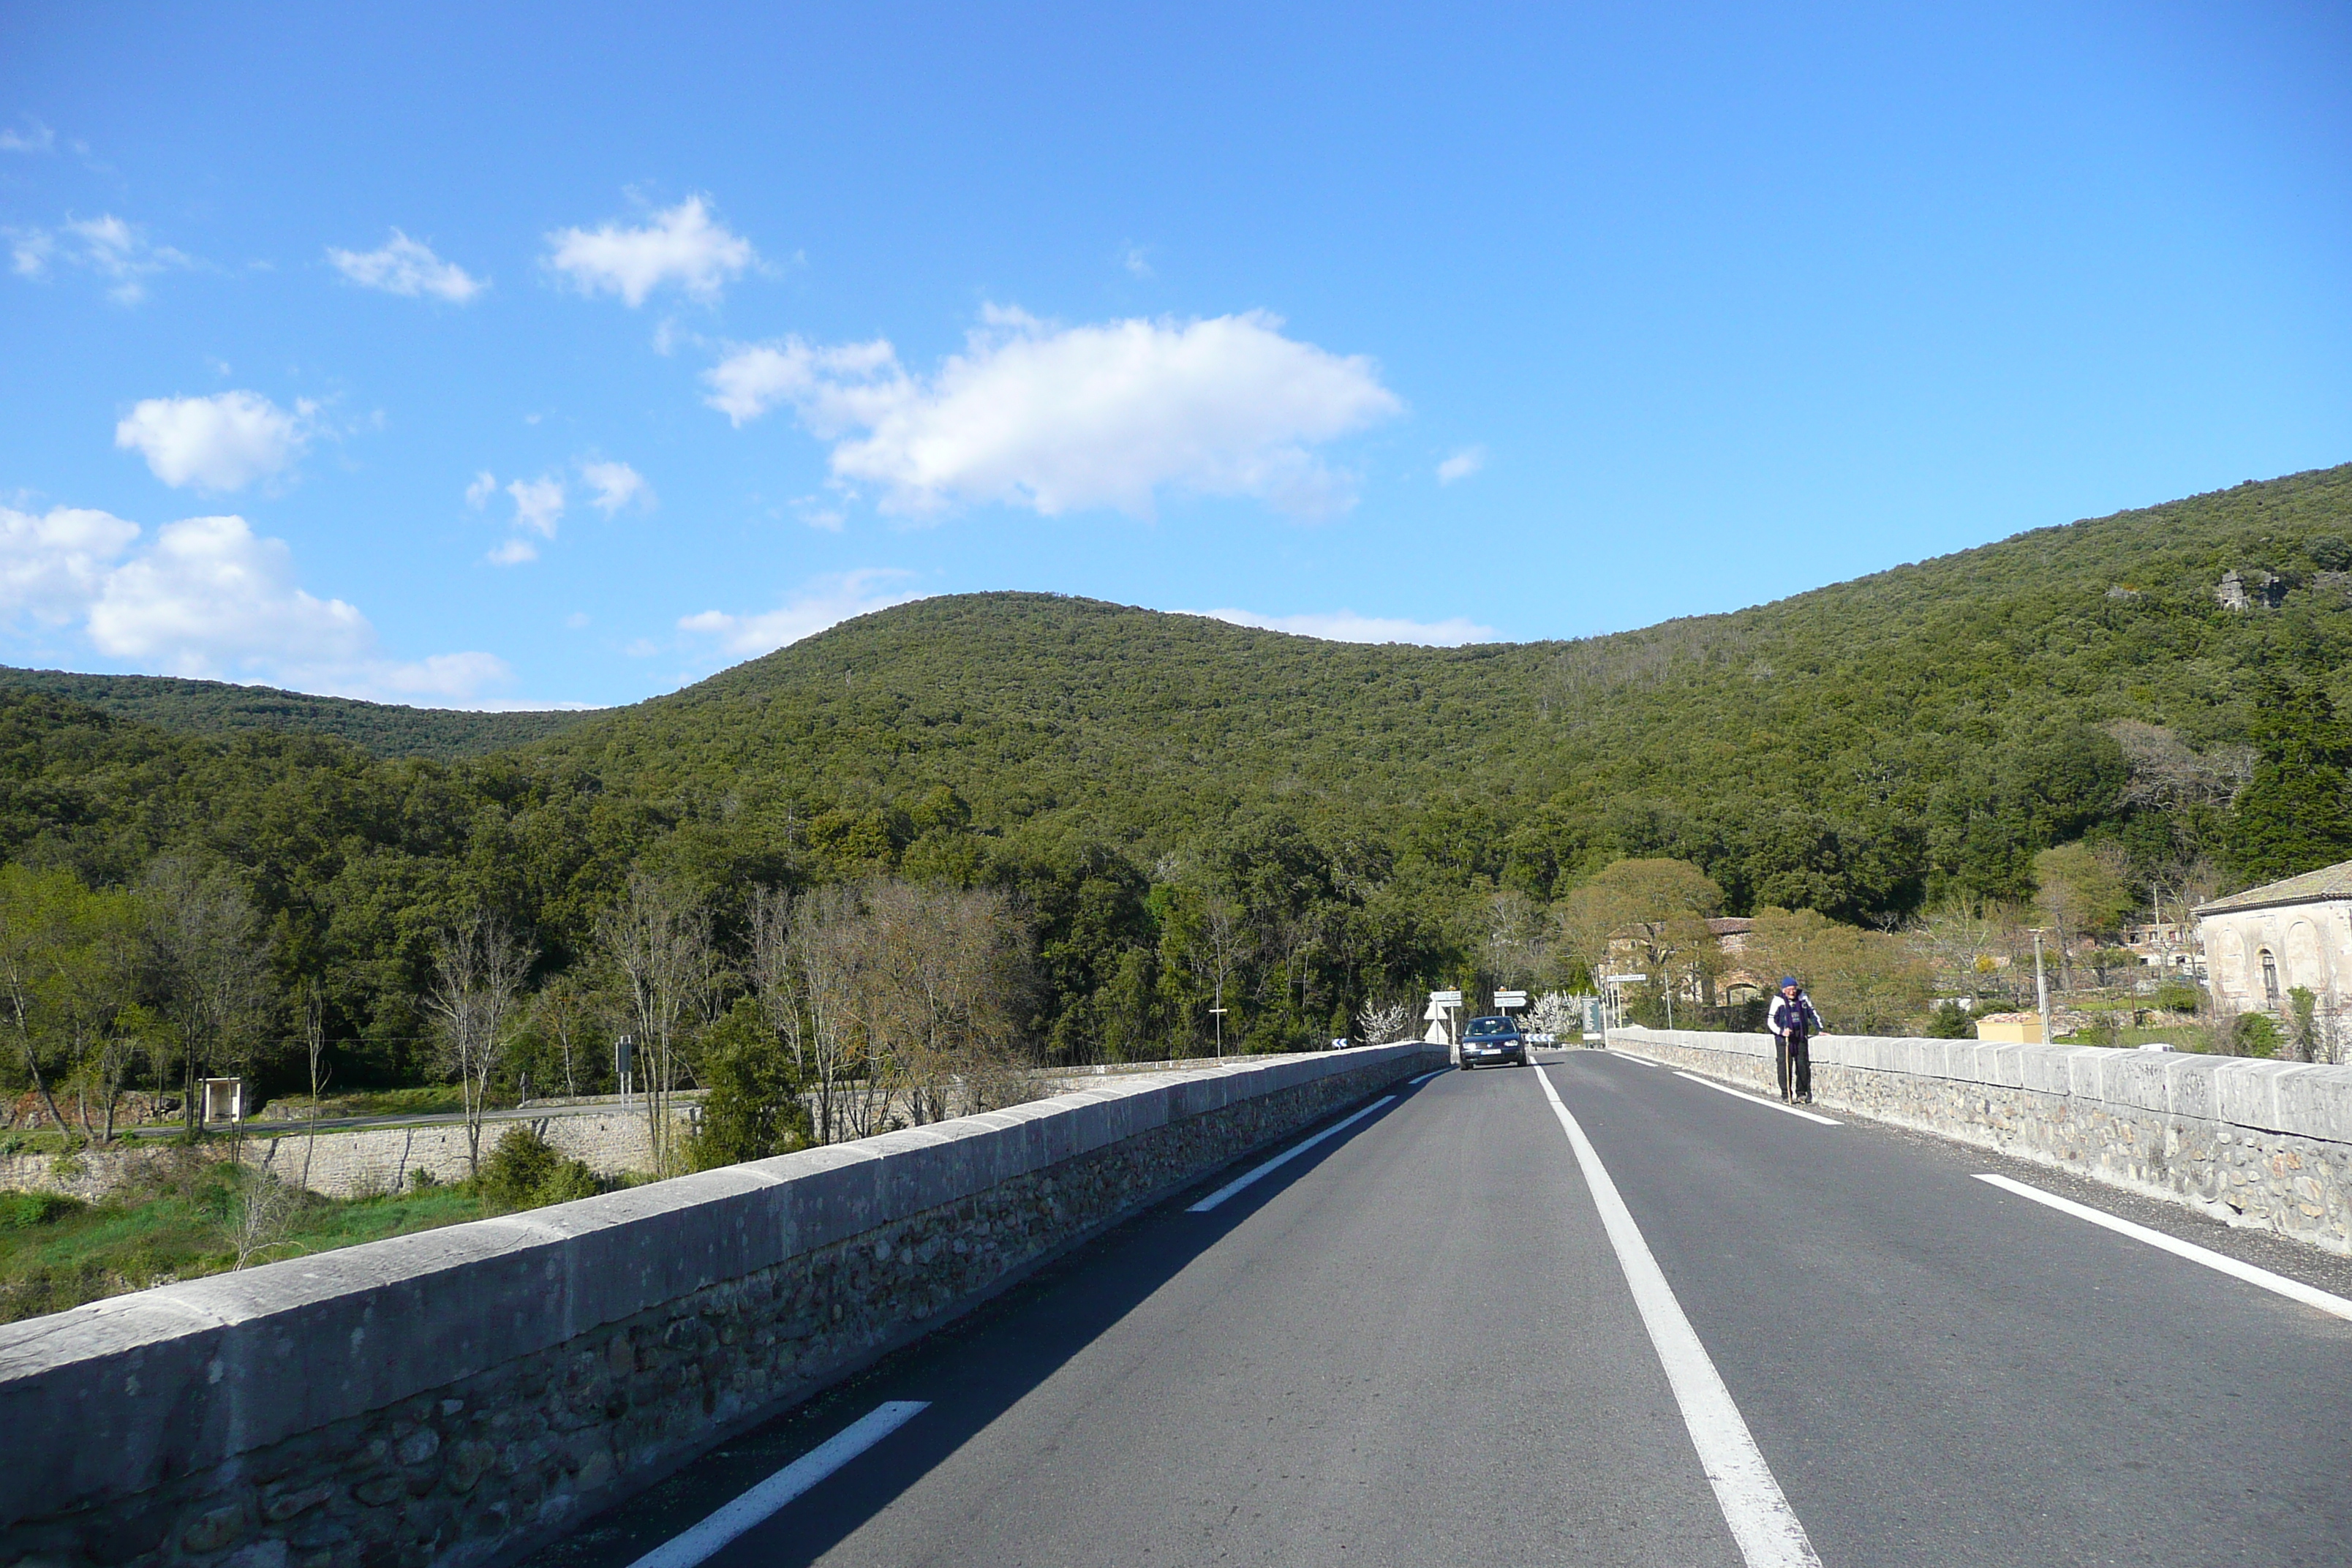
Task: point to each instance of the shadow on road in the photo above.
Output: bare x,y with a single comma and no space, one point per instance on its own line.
970,1371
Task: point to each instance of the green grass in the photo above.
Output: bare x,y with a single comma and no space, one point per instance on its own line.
56,1252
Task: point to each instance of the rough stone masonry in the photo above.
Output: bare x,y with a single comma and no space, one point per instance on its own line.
2253,1143
460,1396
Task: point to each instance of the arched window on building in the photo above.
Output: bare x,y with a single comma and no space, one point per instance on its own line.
2269,981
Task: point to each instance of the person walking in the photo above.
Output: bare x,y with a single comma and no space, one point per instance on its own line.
1794,1023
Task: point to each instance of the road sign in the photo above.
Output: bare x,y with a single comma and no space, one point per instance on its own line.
1510,998
1621,979
1446,998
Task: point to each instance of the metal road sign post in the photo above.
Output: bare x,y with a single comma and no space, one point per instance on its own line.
1219,1014
624,1061
1614,1000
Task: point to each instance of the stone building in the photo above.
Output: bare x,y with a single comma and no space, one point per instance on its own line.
2263,942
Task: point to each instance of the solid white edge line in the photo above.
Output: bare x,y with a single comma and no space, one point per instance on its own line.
1757,1098
691,1546
1296,1150
2294,1289
1424,1078
1763,1525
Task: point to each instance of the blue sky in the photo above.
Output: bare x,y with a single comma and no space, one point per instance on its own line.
522,355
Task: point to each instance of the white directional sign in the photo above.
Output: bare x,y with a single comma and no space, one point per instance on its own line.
1510,998
1446,998
1621,979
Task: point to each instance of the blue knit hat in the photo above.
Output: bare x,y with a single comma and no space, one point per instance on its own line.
1787,981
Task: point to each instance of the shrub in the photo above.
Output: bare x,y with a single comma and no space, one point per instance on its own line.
22,1211
526,1172
2177,996
2254,1035
1950,1021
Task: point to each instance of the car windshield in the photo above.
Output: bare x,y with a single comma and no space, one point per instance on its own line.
1481,1027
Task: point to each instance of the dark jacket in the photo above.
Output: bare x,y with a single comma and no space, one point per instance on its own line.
1796,1017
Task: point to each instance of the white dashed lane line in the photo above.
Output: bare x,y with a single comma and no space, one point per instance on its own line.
691,1546
1296,1150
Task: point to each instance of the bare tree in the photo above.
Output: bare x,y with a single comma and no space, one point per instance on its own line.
314,1048
565,1014
775,976
1222,940
478,972
944,967
205,945
657,942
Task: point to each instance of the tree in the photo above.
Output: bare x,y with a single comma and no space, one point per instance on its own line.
479,971
2081,890
657,940
2296,814
1863,982
1384,1023
1651,914
753,1107
204,947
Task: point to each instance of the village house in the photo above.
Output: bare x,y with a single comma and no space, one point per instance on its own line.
2263,943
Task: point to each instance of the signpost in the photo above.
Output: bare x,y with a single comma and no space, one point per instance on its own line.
1506,1000
1443,1003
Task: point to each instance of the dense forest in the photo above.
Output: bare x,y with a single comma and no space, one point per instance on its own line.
214,707
1175,813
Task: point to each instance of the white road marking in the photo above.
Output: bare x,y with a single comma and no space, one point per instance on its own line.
1762,1524
2294,1289
1296,1150
1758,1099
691,1546
1424,1078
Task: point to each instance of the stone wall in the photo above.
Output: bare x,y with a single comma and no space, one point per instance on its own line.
2262,1144
343,1162
459,1395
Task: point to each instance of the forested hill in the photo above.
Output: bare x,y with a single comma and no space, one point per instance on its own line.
1357,822
214,707
1855,748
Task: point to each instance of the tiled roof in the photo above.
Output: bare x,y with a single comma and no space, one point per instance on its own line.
2327,882
1729,925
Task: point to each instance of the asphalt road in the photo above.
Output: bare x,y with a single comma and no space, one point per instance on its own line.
1416,1345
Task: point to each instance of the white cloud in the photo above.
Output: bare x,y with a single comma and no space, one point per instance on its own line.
821,602
209,595
479,493
683,246
208,599
514,553
1138,264
616,485
104,245
1462,465
40,137
408,267
53,566
538,504
1065,418
220,443
1346,626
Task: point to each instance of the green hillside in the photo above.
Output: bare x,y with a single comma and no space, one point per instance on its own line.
1858,748
213,707
1369,819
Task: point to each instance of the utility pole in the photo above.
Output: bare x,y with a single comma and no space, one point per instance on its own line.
2040,988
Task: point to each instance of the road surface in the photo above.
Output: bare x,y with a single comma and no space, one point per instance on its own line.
1417,1343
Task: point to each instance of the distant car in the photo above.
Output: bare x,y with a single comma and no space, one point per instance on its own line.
1485,1041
